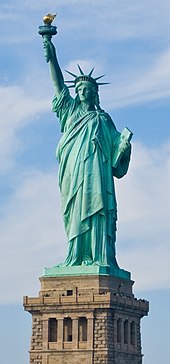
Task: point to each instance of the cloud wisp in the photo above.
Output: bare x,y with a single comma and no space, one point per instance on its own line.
32,234
113,20
144,209
145,86
17,110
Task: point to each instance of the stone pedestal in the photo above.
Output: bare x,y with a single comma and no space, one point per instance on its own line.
92,319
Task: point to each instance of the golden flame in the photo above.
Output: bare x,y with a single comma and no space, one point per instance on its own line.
48,19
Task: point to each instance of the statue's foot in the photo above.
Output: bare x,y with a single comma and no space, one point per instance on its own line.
59,265
100,264
87,262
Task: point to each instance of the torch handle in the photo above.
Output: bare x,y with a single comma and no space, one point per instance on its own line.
46,40
47,31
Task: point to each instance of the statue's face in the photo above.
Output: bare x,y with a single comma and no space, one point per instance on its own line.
85,92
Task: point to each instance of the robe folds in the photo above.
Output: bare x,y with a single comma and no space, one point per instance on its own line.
86,170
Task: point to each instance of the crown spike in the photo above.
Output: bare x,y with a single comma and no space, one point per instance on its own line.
90,73
98,78
81,71
72,74
103,83
70,81
85,77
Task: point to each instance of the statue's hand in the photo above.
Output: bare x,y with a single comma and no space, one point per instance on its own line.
49,50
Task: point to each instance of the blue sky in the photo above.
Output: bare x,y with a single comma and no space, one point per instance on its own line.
128,41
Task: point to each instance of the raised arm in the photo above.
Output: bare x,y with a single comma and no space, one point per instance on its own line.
55,70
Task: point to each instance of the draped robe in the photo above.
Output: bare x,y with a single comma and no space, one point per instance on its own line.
86,170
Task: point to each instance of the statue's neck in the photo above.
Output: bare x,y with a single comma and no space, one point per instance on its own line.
86,106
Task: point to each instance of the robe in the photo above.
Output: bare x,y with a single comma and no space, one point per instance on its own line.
86,170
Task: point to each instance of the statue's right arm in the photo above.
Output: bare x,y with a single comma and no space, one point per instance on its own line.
55,70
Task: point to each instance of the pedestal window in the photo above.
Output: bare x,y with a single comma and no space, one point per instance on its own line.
52,330
132,333
67,329
119,330
126,332
82,329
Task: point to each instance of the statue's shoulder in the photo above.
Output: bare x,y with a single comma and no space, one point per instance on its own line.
108,118
63,101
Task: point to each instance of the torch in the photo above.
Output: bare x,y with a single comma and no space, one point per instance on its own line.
47,30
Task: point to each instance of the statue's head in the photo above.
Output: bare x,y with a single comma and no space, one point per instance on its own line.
86,80
86,91
86,87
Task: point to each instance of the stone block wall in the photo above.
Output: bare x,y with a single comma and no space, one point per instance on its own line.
104,321
36,340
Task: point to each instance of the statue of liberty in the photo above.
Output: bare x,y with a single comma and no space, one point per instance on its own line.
91,153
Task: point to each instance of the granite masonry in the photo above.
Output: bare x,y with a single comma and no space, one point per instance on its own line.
87,320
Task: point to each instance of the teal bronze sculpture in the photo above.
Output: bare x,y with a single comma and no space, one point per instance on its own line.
91,153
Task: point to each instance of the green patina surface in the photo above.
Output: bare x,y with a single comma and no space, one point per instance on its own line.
85,270
91,153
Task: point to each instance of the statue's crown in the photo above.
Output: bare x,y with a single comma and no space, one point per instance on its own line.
84,77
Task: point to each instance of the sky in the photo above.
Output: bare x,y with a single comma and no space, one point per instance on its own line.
128,41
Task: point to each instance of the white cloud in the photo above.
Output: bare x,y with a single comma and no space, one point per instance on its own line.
102,20
149,265
144,210
140,86
18,108
32,233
